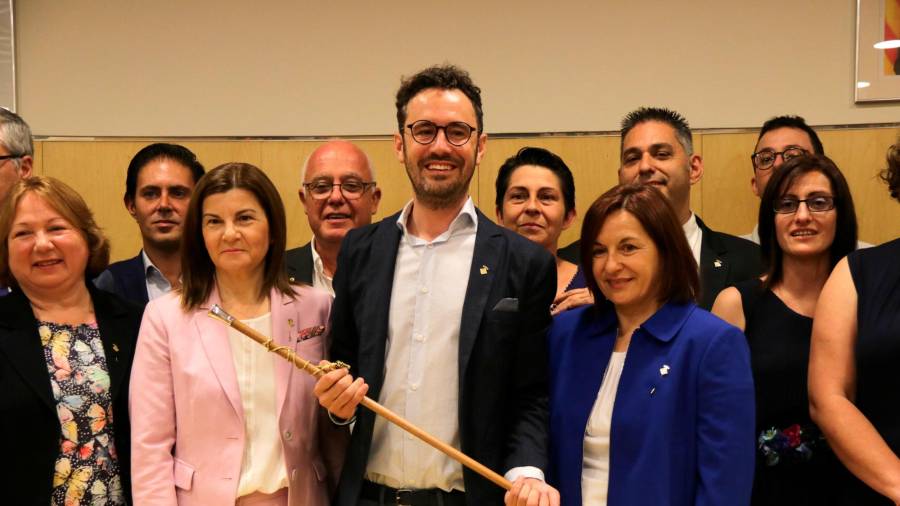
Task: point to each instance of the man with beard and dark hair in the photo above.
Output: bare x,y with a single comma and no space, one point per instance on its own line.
158,187
442,314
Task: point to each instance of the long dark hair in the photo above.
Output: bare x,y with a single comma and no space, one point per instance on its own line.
845,228
197,269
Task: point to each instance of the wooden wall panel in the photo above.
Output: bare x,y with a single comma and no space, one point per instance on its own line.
723,197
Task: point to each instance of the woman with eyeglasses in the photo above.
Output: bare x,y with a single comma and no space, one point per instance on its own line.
216,418
535,196
853,365
807,223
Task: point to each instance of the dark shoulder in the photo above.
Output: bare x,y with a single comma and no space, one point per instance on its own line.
887,251
125,267
111,304
369,235
735,243
705,326
298,252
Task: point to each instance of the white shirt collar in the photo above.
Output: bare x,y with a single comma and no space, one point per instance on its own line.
694,235
466,218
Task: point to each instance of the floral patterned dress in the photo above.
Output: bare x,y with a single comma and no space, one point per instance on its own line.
87,469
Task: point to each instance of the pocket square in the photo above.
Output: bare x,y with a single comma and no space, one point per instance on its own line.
310,332
510,304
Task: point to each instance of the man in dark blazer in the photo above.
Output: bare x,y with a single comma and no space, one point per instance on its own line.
657,148
443,314
158,186
339,193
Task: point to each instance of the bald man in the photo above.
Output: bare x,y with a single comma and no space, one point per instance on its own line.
339,193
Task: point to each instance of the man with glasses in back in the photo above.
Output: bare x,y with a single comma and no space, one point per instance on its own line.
16,155
443,315
339,193
780,139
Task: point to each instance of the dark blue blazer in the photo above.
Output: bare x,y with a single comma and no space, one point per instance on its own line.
683,437
502,348
127,279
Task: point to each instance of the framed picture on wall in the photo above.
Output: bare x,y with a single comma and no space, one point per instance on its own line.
877,50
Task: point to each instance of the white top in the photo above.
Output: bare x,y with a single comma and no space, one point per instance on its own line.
694,235
263,466
320,280
157,284
595,467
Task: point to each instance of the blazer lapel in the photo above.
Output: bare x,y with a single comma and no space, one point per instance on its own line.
713,265
114,332
489,247
284,333
214,339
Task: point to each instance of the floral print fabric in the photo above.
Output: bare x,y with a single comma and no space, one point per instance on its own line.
87,469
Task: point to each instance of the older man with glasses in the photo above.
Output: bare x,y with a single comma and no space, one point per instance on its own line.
339,193
16,155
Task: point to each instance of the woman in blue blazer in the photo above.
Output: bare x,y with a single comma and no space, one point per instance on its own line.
678,378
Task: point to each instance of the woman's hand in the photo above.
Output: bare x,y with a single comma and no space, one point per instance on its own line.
571,299
339,393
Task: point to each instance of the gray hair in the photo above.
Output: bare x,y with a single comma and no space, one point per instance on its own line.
15,135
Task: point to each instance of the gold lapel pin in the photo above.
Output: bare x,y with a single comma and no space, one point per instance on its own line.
717,263
290,322
664,370
483,270
115,347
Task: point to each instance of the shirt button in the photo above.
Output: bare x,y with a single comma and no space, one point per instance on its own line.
424,289
291,279
287,435
430,246
414,387
420,338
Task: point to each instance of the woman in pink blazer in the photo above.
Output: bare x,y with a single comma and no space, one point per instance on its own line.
216,419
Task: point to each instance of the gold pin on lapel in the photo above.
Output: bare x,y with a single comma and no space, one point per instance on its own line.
717,263
115,347
483,270
290,322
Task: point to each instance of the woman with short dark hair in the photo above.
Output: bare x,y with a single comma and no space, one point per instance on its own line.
853,380
216,418
651,397
807,223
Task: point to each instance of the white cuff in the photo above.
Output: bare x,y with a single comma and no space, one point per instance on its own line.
524,472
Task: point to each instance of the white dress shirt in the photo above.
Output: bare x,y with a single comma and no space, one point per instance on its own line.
595,464
694,235
320,279
263,466
157,284
421,380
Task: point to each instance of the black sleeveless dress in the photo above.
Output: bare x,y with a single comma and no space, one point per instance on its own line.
876,276
794,465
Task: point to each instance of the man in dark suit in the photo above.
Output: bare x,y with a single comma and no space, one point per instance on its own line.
657,148
339,193
444,316
158,187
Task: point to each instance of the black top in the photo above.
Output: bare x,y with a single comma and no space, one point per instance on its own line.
28,411
779,352
876,276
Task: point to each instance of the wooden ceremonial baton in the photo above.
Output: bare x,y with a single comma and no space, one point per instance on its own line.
221,315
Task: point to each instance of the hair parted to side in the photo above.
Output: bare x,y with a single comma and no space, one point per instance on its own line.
662,115
796,122
539,157
197,269
891,174
15,135
69,204
679,281
160,151
445,77
845,233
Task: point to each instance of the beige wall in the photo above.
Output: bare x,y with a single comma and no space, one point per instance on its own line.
723,198
301,68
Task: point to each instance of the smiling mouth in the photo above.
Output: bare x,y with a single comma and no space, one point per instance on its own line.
47,263
803,233
337,216
617,283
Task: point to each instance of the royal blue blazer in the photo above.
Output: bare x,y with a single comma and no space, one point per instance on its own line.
682,428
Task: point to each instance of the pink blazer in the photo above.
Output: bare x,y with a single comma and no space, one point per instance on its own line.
186,414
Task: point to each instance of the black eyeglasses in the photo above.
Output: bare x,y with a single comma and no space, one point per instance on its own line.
351,190
10,157
457,133
764,160
790,205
